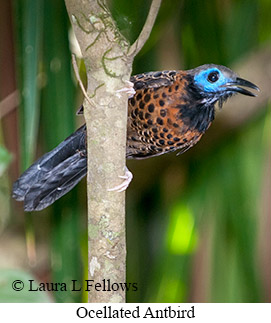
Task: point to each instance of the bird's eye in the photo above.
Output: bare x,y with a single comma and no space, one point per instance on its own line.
213,77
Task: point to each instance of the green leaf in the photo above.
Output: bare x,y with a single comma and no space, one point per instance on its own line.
5,159
28,25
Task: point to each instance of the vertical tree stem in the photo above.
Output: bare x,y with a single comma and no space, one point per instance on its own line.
108,66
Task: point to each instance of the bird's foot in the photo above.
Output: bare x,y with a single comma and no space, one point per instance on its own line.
127,178
129,89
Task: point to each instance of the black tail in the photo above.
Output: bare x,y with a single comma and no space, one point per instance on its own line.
54,174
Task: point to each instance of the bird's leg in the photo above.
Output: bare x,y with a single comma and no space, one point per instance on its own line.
128,176
129,89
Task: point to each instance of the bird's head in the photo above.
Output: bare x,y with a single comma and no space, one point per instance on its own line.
217,83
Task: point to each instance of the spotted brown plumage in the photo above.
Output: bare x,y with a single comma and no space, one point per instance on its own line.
170,111
156,124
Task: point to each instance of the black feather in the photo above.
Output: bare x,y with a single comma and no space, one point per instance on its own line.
56,183
36,178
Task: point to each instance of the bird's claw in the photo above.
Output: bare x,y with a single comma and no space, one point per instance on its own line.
128,176
129,89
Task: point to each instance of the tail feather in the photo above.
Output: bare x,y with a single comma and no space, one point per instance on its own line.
56,183
54,174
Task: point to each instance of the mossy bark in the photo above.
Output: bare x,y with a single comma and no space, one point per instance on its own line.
108,59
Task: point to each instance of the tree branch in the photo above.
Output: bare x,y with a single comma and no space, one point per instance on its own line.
108,67
146,30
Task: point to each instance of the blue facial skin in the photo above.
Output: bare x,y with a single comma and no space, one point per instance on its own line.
201,80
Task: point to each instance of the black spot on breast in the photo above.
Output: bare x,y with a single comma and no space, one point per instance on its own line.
170,142
162,135
139,97
175,125
176,87
159,121
163,113
156,96
145,126
136,111
170,89
132,101
147,98
141,116
141,105
176,139
154,130
151,108
165,129
161,141
147,115
179,144
169,136
164,95
149,122
162,103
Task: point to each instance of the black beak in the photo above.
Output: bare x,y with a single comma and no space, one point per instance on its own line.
234,86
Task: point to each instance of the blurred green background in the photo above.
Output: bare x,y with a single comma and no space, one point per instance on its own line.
198,225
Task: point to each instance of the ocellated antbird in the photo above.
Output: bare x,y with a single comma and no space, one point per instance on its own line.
169,111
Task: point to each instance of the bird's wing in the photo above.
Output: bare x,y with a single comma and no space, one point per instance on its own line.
147,80
153,79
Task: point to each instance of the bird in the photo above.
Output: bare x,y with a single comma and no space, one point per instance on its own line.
168,111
